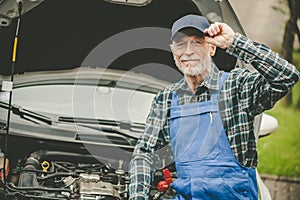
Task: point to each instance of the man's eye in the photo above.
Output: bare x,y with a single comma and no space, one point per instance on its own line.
180,45
197,42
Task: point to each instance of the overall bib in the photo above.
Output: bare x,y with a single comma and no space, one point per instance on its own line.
206,167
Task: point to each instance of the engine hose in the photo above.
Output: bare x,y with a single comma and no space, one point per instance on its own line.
41,155
57,174
15,191
47,198
37,188
28,178
40,196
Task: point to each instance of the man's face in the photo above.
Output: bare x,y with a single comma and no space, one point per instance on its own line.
192,54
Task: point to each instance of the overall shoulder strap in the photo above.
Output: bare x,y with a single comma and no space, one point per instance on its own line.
214,95
174,100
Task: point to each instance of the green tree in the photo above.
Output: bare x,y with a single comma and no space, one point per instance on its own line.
291,29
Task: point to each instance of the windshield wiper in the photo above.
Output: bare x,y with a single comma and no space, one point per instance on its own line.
125,128
27,114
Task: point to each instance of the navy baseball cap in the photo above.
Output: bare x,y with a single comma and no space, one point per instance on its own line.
193,21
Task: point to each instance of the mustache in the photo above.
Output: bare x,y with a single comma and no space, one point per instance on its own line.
186,60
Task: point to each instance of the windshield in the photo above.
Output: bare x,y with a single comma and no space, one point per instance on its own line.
85,101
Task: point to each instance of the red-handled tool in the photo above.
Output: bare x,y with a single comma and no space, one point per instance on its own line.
163,186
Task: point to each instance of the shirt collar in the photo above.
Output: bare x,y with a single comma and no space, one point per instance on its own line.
212,80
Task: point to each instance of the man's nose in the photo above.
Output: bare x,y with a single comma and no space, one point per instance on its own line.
189,49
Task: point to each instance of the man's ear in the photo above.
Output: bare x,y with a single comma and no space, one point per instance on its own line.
171,48
172,51
212,50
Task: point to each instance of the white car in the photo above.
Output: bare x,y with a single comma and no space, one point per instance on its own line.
84,77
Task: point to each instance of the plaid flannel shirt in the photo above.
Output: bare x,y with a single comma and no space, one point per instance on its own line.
244,95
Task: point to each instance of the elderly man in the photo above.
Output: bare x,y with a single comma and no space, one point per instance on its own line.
208,115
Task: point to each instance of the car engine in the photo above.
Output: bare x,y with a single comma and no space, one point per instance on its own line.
63,175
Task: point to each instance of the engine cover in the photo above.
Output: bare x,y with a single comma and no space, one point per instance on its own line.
91,187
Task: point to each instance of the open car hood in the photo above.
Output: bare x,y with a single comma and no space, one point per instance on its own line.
57,34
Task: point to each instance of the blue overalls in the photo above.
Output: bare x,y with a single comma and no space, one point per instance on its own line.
206,167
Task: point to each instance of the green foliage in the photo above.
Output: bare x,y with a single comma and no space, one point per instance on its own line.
296,58
279,153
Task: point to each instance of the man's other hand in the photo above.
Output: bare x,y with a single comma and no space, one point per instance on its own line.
219,34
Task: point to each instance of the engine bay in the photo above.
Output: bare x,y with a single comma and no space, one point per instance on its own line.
64,175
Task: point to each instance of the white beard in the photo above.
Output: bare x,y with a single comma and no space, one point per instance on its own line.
198,69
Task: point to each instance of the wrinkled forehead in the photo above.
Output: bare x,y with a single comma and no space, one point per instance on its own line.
187,32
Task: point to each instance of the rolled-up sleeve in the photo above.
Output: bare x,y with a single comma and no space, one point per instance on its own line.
274,78
141,167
